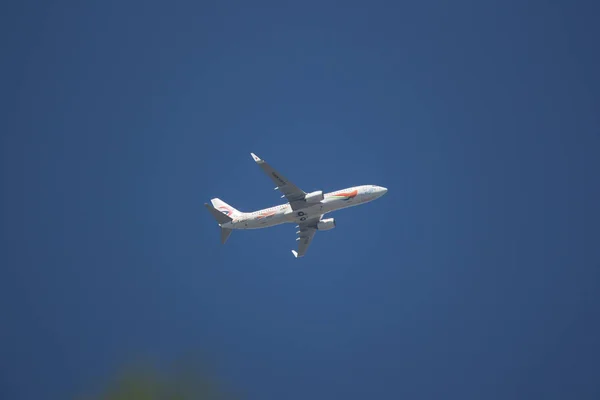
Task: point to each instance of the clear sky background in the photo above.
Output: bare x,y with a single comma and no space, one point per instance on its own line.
475,277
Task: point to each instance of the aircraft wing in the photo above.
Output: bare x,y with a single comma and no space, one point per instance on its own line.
293,194
305,236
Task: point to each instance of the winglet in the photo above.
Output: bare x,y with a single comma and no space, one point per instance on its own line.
295,253
256,158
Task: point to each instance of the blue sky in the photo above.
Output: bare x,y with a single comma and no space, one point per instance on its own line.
475,276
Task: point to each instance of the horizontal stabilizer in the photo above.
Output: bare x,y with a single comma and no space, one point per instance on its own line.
219,216
225,234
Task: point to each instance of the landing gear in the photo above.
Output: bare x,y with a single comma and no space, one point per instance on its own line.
300,213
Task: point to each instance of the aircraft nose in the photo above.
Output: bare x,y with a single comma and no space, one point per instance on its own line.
382,190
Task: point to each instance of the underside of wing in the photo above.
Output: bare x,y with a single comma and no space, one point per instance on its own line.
293,194
305,234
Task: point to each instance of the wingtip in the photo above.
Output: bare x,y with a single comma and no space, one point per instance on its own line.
255,157
295,253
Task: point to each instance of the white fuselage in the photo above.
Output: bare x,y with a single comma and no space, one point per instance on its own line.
284,214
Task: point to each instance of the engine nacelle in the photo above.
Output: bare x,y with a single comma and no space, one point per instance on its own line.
314,197
326,224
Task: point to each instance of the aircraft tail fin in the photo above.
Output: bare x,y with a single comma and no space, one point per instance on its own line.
222,215
224,208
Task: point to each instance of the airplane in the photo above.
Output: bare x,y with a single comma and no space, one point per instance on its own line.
304,209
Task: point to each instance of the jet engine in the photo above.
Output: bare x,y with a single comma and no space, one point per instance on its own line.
314,197
326,224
